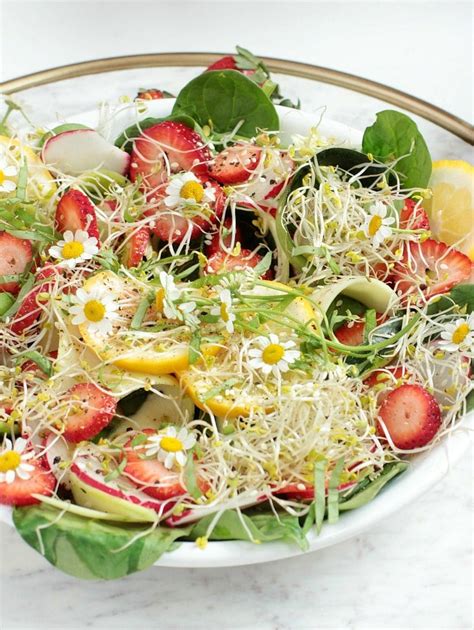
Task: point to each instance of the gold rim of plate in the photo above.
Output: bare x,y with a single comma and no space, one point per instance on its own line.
434,114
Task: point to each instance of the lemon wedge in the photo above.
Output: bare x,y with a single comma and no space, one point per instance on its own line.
41,184
152,353
451,207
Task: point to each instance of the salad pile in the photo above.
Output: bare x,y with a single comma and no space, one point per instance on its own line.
208,332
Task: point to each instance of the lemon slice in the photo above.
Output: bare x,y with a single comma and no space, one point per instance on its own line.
451,207
41,184
147,353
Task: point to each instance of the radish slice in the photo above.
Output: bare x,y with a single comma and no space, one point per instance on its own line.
58,457
79,150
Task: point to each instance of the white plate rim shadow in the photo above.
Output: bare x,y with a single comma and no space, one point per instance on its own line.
425,470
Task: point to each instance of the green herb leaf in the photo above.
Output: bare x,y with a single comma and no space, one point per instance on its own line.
6,301
319,493
41,361
227,99
190,480
195,346
370,489
92,549
142,308
333,493
212,393
25,289
394,135
463,295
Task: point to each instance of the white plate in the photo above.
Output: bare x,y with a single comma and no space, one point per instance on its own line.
425,470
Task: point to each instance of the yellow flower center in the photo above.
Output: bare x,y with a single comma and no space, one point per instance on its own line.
224,312
192,190
273,353
171,444
374,225
2,177
460,333
159,300
73,249
94,311
9,461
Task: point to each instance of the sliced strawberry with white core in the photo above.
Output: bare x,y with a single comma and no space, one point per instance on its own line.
89,412
413,216
236,164
74,152
33,304
15,256
76,212
220,262
229,234
135,247
430,267
20,491
188,221
267,183
167,148
411,416
149,474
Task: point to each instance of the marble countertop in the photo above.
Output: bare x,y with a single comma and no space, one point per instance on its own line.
413,570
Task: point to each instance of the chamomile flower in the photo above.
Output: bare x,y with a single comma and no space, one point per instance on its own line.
170,446
96,308
187,189
14,461
273,355
223,311
7,171
377,225
75,248
168,295
185,314
458,335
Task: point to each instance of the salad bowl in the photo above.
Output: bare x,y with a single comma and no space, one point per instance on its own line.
426,468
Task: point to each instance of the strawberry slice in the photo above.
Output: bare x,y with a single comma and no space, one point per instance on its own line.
15,256
175,224
220,262
150,475
411,415
382,381
30,309
351,333
413,216
135,247
224,63
236,164
431,267
76,212
20,492
164,148
92,410
223,238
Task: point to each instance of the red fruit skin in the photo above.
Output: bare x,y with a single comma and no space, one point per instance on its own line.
15,255
411,415
183,147
153,95
19,492
295,492
87,423
135,248
216,242
236,164
351,335
224,63
220,262
76,212
412,217
431,266
171,225
143,473
30,309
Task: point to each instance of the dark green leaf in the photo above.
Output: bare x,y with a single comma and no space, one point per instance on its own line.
91,549
130,404
470,402
6,301
227,99
394,135
352,162
370,489
463,295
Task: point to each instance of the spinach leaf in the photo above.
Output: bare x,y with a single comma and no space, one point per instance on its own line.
131,403
352,162
223,99
394,135
368,489
470,402
92,549
126,138
463,295
256,528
